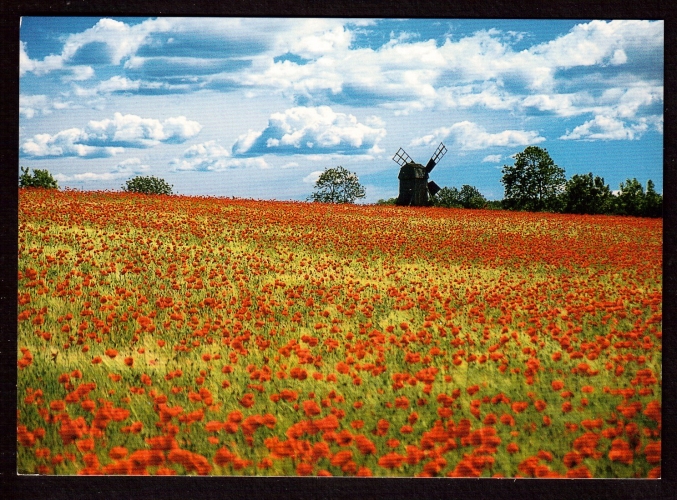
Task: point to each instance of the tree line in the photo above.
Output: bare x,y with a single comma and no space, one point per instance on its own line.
139,184
536,184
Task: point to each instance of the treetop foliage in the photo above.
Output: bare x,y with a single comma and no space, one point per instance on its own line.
147,185
467,197
337,185
534,182
38,179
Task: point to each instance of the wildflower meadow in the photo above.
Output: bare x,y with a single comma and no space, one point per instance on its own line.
172,335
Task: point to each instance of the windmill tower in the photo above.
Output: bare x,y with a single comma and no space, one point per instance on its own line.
414,185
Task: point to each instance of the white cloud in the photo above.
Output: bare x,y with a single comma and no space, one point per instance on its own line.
245,141
113,84
406,74
470,136
110,136
31,105
210,156
622,102
69,142
600,42
487,95
322,39
303,130
131,166
608,128
312,177
491,159
79,73
26,64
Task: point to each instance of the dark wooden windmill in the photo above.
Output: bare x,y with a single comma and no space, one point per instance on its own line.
414,185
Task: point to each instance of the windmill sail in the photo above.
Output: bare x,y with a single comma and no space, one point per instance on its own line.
436,157
433,188
402,158
415,189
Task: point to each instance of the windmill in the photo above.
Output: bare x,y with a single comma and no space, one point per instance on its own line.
414,185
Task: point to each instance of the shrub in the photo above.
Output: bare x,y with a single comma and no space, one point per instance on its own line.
147,185
38,179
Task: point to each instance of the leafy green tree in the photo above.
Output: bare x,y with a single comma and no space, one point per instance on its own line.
467,197
494,204
147,185
584,194
388,201
630,199
337,185
447,198
534,182
470,197
38,179
653,202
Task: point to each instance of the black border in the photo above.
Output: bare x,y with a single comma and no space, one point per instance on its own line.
13,486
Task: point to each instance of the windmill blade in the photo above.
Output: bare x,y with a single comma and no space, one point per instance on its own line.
402,158
436,157
433,188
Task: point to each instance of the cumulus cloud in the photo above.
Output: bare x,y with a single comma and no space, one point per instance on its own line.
107,42
623,102
113,84
112,42
470,136
312,177
125,168
611,128
308,130
26,64
211,156
32,105
601,42
491,159
110,136
119,84
315,61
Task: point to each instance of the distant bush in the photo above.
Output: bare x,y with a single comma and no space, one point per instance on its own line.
585,194
147,185
389,201
632,200
467,197
38,179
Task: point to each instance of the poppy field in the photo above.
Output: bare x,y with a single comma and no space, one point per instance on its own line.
171,335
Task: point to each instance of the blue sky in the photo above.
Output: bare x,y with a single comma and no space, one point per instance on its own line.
258,107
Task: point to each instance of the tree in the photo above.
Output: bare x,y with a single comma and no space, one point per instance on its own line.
38,179
470,197
534,182
388,201
447,198
653,202
467,197
337,185
585,195
630,200
147,185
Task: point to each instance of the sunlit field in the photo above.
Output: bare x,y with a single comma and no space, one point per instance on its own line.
181,335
